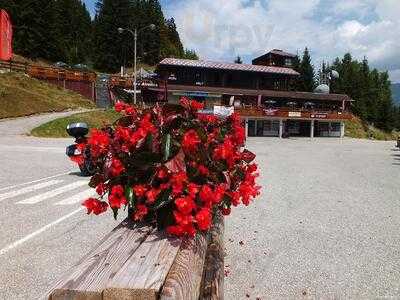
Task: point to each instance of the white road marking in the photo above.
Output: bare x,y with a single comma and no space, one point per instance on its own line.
53,193
33,234
78,197
34,181
33,149
28,189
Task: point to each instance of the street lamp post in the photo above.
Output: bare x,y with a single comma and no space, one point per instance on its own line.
135,35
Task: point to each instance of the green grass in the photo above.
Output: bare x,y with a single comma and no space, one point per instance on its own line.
21,95
56,128
355,128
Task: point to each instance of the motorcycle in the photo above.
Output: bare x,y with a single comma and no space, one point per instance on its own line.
78,152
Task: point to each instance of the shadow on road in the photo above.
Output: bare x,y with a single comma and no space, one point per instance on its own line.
77,173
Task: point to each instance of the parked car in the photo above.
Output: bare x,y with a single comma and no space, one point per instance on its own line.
62,65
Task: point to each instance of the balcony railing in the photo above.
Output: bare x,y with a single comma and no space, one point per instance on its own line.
288,112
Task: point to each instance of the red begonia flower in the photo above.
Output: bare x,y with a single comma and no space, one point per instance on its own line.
203,219
139,190
116,167
99,142
94,205
152,195
190,141
185,205
119,106
141,212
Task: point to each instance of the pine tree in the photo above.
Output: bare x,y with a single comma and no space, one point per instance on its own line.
296,84
238,60
33,20
307,83
170,43
190,54
108,43
370,90
73,30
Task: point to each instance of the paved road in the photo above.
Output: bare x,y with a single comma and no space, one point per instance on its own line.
23,125
44,230
326,226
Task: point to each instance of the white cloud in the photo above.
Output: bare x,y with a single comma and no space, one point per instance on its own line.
220,29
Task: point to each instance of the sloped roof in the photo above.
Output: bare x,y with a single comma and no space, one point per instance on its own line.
227,66
282,53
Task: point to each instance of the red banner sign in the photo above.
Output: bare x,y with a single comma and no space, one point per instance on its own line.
6,33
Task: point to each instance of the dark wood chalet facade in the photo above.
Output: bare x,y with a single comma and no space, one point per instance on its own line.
263,93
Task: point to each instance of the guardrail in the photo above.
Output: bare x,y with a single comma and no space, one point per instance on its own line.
285,112
139,262
41,72
80,82
14,66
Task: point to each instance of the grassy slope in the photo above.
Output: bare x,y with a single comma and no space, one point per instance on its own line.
21,95
355,128
94,119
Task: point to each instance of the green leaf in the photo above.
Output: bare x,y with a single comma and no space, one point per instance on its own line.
163,199
130,196
167,147
145,158
95,180
115,211
149,142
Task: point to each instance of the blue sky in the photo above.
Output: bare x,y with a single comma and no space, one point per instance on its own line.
220,29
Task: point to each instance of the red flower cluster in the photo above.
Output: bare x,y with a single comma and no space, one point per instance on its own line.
172,166
95,206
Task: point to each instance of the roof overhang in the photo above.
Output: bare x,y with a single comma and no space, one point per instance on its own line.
306,96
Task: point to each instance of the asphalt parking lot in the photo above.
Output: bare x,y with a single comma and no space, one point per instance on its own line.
326,226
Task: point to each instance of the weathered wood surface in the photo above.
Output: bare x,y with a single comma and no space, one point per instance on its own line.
184,279
139,262
213,273
143,275
87,279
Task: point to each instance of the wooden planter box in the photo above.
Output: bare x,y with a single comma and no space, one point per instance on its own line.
139,262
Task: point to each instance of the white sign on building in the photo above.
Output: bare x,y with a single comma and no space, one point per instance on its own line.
223,110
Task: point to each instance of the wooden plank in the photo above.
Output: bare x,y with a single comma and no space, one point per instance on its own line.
87,279
184,279
144,273
213,276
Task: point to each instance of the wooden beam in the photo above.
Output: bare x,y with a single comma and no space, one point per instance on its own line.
87,279
184,279
213,276
143,275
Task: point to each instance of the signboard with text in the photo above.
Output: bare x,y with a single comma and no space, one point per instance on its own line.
223,110
294,114
319,116
270,112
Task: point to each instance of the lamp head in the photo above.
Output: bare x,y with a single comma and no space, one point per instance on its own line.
120,30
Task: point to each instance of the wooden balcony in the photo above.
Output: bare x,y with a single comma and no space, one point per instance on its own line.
293,113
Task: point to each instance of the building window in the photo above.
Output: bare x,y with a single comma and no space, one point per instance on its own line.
288,62
335,127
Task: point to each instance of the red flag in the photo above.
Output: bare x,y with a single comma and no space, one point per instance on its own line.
6,32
